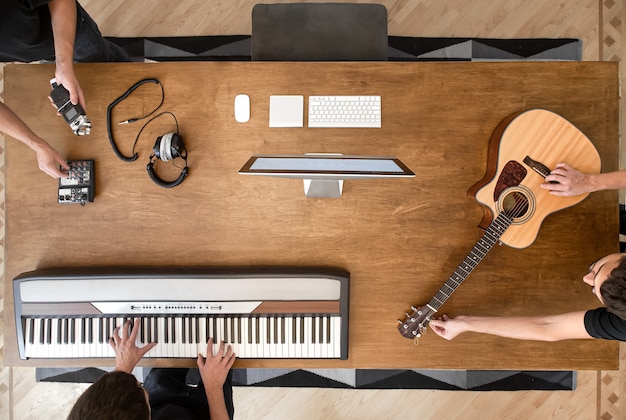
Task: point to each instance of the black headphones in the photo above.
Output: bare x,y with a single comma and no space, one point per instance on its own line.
167,147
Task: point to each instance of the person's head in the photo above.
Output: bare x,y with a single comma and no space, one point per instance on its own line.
117,395
607,276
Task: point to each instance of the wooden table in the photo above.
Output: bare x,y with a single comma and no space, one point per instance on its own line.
399,239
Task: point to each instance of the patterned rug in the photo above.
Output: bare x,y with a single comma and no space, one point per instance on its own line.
237,48
451,380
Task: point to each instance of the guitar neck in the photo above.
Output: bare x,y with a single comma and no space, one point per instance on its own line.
483,246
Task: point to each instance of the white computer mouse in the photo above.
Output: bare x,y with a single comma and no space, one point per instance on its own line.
242,108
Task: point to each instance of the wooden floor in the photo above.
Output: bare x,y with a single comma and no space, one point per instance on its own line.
598,395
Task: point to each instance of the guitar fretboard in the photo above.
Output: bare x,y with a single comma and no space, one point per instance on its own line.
475,256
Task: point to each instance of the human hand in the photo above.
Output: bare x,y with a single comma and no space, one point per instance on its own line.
569,181
214,369
446,327
65,76
49,160
127,354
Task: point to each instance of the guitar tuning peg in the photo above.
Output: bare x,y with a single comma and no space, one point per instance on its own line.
400,322
413,308
407,315
416,341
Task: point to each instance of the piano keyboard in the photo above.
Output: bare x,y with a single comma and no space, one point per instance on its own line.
261,313
186,337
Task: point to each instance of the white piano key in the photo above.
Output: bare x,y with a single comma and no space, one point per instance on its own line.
177,341
336,334
324,344
288,347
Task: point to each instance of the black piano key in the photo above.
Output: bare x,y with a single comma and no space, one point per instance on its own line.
155,329
66,335
83,330
328,323
59,330
72,323
294,330
313,322
275,338
141,334
108,329
321,329
196,328
183,330
173,330
239,330
42,332
214,334
190,338
48,331
226,326
101,332
257,330
89,322
249,320
301,330
166,329
31,334
207,327
282,330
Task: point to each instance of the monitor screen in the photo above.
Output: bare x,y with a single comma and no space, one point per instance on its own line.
323,173
321,166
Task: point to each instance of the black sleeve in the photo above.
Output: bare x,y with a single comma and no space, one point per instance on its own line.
601,323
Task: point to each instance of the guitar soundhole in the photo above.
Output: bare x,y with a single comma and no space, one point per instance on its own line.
518,203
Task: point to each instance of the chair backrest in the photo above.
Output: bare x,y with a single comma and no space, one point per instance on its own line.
319,32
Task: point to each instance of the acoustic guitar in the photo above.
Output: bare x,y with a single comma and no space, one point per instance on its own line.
522,150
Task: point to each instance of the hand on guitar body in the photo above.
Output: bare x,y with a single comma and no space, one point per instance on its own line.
565,181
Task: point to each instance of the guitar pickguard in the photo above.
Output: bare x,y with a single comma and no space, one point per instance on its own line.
512,175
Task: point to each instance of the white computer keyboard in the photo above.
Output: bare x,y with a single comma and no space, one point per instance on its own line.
344,111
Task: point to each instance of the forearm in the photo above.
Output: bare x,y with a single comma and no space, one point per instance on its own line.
217,403
63,17
607,181
12,125
547,328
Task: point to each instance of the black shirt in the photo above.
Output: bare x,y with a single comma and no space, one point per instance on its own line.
601,323
26,31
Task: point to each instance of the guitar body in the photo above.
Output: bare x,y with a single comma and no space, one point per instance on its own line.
546,139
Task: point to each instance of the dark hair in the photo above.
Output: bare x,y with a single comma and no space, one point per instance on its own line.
115,396
613,290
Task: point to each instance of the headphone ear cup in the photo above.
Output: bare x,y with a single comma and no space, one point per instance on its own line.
177,146
156,150
166,147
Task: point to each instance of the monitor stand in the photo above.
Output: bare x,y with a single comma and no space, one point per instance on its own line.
323,188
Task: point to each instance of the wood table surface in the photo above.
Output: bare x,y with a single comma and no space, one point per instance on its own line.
400,239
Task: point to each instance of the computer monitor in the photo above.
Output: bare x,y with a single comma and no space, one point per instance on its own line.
323,174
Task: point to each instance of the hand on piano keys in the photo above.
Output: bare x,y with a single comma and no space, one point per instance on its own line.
127,354
214,369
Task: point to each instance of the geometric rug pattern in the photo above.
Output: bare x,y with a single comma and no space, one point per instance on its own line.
451,380
238,48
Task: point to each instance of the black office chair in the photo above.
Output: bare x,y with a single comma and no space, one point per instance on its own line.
319,32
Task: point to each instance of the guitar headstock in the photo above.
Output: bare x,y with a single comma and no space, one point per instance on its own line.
415,324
